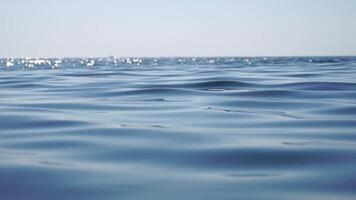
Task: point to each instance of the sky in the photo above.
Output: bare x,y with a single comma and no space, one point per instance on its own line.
90,28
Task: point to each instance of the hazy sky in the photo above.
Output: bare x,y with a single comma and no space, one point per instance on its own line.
50,28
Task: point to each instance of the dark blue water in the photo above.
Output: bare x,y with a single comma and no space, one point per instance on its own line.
178,128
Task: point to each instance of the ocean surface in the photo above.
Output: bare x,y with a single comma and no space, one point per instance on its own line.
178,128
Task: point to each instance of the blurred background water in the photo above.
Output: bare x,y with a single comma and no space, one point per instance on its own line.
178,128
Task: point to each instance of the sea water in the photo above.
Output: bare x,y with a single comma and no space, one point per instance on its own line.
178,128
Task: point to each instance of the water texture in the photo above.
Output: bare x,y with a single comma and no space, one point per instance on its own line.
178,128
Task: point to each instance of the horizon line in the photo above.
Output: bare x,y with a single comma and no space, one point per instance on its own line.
108,56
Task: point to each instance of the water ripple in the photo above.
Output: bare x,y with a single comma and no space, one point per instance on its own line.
178,128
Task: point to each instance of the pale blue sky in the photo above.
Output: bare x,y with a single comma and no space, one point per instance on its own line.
51,28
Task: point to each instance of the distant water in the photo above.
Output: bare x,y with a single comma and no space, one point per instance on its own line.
178,128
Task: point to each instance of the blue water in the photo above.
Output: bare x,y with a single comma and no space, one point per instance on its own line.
178,128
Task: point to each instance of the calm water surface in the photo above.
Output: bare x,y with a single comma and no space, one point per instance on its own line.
178,128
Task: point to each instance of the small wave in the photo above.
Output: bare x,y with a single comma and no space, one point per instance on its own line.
322,86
